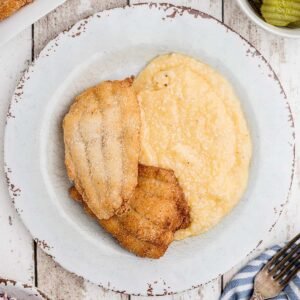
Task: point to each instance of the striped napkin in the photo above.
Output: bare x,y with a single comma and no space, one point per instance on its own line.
241,285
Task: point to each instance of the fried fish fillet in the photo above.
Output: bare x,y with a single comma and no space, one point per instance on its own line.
9,7
156,210
102,145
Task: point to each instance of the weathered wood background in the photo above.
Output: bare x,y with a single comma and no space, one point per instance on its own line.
20,258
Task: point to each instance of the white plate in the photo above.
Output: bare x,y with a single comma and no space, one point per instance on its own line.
115,44
26,16
20,291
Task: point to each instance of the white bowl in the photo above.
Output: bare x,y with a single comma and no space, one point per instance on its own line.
282,31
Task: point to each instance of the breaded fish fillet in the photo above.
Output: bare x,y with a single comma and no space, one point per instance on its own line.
102,144
8,7
156,210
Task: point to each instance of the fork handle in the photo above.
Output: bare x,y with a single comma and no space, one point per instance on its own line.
256,296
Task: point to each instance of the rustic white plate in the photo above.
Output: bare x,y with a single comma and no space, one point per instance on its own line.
20,291
115,44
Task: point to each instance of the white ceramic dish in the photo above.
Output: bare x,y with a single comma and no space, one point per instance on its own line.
26,16
115,44
282,31
20,291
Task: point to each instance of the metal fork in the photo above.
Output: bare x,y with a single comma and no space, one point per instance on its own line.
278,272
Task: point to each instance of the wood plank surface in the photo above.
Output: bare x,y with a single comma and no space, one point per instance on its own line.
65,16
16,246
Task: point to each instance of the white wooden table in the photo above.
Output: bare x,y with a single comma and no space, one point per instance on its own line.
20,258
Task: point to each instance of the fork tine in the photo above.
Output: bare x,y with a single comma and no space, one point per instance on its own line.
288,267
281,252
283,262
285,281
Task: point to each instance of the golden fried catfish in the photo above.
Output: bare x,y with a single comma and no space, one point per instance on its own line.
146,225
102,145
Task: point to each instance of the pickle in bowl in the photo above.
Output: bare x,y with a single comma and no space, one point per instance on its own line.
280,13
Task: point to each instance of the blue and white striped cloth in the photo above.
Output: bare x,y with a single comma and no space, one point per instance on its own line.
241,285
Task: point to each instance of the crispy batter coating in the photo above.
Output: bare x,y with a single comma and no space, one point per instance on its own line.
156,210
102,144
9,7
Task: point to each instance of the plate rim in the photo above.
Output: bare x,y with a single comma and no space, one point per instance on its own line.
17,22
11,282
178,11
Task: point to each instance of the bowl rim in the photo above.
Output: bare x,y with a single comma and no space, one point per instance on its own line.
283,32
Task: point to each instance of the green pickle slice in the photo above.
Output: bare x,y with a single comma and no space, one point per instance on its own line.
281,12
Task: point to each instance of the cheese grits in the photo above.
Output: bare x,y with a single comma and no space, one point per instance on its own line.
192,123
